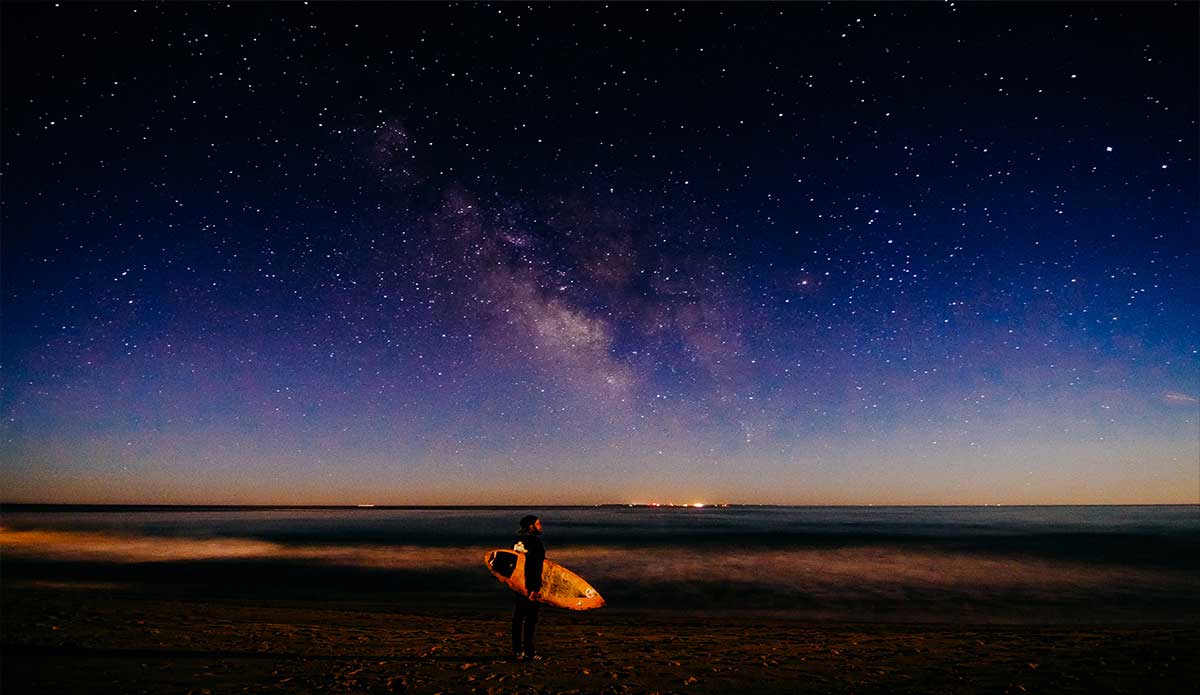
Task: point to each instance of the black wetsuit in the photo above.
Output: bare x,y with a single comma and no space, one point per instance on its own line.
525,612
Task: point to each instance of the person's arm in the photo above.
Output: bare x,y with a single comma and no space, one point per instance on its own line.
535,556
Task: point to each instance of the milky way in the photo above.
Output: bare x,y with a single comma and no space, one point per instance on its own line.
531,254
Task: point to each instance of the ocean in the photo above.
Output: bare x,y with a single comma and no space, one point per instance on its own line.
1068,564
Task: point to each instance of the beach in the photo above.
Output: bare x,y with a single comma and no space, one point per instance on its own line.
816,600
92,639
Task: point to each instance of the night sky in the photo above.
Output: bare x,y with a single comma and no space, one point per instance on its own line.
582,253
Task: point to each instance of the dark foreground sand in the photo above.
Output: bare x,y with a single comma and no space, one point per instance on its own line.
100,641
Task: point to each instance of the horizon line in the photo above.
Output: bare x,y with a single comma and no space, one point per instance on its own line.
623,505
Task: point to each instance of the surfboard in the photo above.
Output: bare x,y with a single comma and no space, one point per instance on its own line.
560,586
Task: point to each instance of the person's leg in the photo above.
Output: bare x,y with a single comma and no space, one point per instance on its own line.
531,618
517,623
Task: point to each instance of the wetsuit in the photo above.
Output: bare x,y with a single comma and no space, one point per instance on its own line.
525,612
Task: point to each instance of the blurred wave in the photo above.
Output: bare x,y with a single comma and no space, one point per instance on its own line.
110,547
876,581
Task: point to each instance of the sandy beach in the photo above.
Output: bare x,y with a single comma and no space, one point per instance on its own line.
102,640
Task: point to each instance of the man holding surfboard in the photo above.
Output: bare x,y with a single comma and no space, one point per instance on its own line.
525,610
535,580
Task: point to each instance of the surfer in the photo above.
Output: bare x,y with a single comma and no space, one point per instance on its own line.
525,610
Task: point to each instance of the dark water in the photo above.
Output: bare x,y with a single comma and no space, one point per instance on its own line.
944,564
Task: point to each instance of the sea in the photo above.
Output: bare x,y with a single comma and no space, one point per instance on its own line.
1045,564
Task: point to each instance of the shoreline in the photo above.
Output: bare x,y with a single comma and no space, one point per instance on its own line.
472,603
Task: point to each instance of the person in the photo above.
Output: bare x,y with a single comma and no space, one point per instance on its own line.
525,610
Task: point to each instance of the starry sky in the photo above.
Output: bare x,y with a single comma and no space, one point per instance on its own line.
305,253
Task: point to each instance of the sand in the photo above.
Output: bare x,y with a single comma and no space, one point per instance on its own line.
98,640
